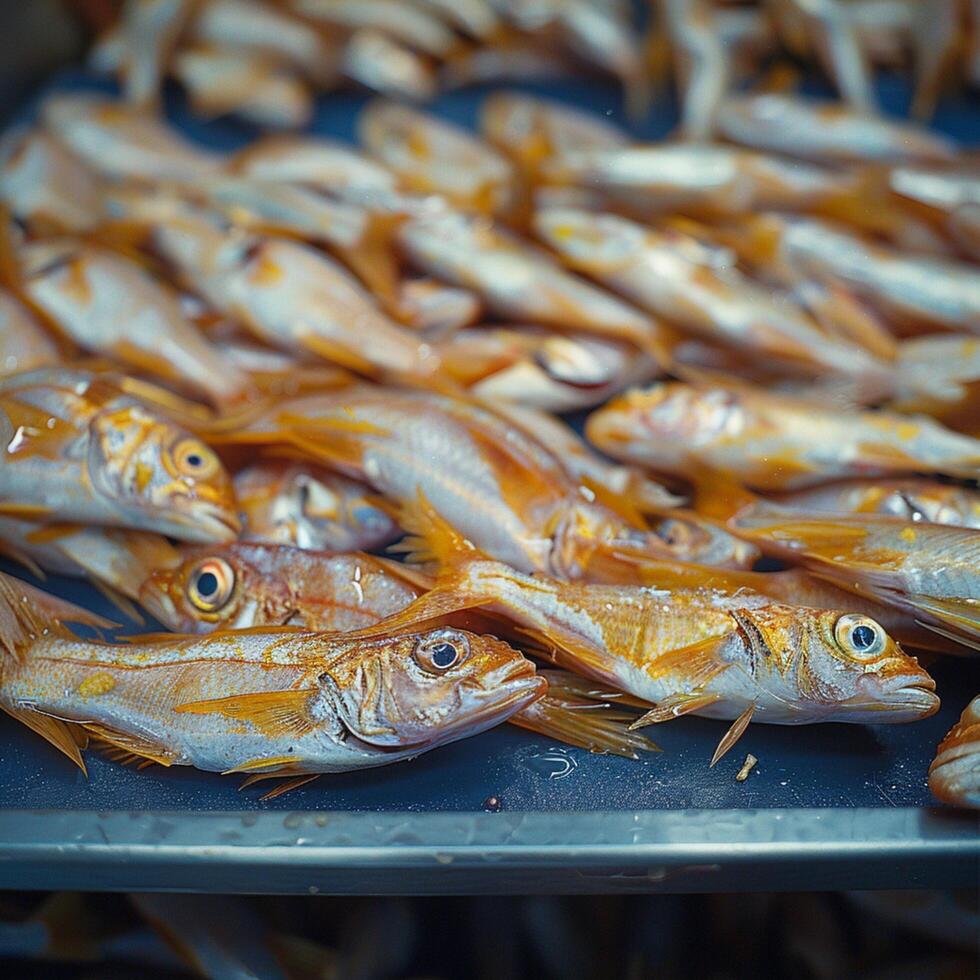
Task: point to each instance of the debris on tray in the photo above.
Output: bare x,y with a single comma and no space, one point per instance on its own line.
747,767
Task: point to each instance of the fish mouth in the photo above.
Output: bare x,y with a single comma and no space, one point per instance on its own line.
205,523
160,606
905,701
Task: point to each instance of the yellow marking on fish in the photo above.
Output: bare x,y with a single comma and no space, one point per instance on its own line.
100,683
266,272
908,534
144,474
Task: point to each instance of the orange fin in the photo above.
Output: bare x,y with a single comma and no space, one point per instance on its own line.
52,532
275,713
430,537
407,573
262,763
289,785
733,734
673,707
29,512
337,353
961,615
53,730
131,743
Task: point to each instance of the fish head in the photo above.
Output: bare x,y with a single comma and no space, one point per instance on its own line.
835,666
225,587
424,688
166,474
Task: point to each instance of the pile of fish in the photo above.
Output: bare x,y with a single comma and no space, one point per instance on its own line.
263,61
229,377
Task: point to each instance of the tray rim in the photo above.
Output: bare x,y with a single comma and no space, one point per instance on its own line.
410,853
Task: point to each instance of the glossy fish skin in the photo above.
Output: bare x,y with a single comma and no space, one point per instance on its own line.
939,374
826,131
911,499
517,281
674,276
772,442
44,185
930,570
436,310
285,701
920,289
79,450
430,156
954,776
700,650
109,305
119,142
24,345
380,63
274,585
149,32
310,507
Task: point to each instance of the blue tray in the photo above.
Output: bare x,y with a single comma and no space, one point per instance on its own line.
828,806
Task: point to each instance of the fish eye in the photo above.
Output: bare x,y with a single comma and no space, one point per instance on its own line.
193,458
859,636
441,651
211,584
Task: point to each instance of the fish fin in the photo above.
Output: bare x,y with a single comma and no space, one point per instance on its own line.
262,763
373,260
959,614
289,785
622,504
15,554
673,707
126,606
733,734
337,353
969,642
717,494
48,533
430,537
130,743
275,713
586,724
411,574
53,730
28,512
334,440
574,687
27,613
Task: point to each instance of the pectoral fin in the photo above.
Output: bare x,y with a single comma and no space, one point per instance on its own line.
53,730
279,714
673,707
733,734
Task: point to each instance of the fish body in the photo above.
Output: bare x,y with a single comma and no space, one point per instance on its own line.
310,507
826,131
772,442
435,309
285,701
939,374
109,305
388,67
24,345
954,775
149,33
77,449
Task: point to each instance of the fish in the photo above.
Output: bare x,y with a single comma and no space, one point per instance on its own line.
311,507
519,283
494,483
699,178
44,186
287,293
536,367
119,142
24,344
378,62
954,775
909,288
434,309
671,275
149,32
323,164
512,56
772,442
248,84
79,450
703,651
267,702
107,304
826,132
930,570
913,499
430,156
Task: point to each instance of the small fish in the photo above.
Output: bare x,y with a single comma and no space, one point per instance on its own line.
385,66
954,776
519,283
912,499
699,650
242,585
122,143
673,276
826,131
430,156
772,442
248,84
109,305
711,179
43,185
310,507
534,366
913,289
283,702
24,344
930,570
149,31
78,449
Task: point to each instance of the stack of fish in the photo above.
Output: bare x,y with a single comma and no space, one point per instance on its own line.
262,61
228,377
